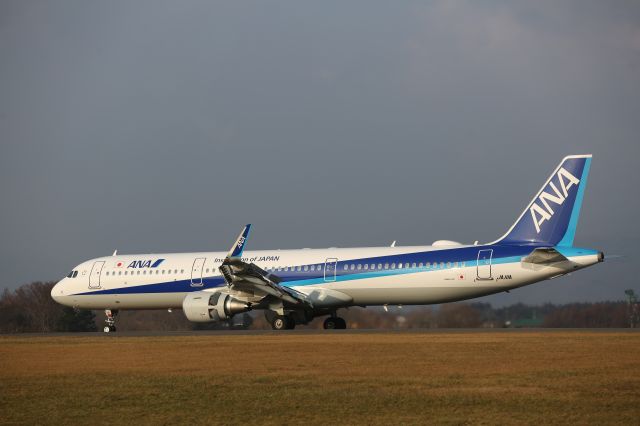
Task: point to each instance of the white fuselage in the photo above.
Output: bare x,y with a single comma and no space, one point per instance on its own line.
328,277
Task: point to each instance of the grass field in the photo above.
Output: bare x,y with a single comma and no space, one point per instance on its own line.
340,377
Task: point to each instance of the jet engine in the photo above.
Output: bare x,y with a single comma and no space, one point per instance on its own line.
204,306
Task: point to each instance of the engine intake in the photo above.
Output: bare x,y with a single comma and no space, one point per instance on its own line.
204,306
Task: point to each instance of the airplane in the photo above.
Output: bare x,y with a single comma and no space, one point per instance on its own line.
295,286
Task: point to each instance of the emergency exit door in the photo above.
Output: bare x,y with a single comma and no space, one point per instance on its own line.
196,272
484,264
330,269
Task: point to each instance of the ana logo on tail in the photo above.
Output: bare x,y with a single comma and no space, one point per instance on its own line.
240,243
541,209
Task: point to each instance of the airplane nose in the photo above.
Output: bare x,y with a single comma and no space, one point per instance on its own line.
57,292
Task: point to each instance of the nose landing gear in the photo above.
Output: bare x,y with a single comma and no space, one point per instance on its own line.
111,320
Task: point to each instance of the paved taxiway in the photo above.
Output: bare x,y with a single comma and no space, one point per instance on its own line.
303,332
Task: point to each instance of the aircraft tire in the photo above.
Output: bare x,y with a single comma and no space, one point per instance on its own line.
335,323
280,322
291,322
330,323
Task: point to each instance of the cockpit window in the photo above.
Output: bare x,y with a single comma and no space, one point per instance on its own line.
75,274
70,275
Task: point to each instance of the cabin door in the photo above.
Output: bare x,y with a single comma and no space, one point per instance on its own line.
484,264
94,276
330,269
196,272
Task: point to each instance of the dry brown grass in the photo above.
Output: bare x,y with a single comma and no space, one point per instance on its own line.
490,378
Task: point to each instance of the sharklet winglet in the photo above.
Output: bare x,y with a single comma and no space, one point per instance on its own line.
238,246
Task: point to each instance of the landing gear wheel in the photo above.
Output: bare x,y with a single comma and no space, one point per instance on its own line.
109,328
291,323
281,322
335,323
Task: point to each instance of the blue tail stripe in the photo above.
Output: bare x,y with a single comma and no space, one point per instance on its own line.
567,239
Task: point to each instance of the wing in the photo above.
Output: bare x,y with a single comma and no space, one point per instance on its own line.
250,279
544,256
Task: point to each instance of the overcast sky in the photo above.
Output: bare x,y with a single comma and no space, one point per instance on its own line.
162,126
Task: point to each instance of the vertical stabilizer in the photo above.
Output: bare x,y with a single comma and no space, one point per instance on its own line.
552,216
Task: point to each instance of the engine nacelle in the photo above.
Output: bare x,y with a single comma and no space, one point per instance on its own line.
205,306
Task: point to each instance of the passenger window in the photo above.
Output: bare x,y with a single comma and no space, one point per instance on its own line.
420,265
138,272
399,266
366,266
441,265
379,265
393,266
346,267
175,271
306,268
455,265
463,264
428,265
386,266
448,264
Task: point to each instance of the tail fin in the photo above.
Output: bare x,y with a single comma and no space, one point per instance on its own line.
552,216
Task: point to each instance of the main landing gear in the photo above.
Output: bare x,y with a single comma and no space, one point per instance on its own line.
335,323
288,321
283,322
111,321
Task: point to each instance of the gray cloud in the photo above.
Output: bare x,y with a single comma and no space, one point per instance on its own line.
165,126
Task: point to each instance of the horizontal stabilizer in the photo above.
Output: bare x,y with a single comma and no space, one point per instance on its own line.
544,255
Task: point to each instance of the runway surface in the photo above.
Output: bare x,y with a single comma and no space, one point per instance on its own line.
304,332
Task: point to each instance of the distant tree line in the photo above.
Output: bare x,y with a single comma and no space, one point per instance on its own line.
30,308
